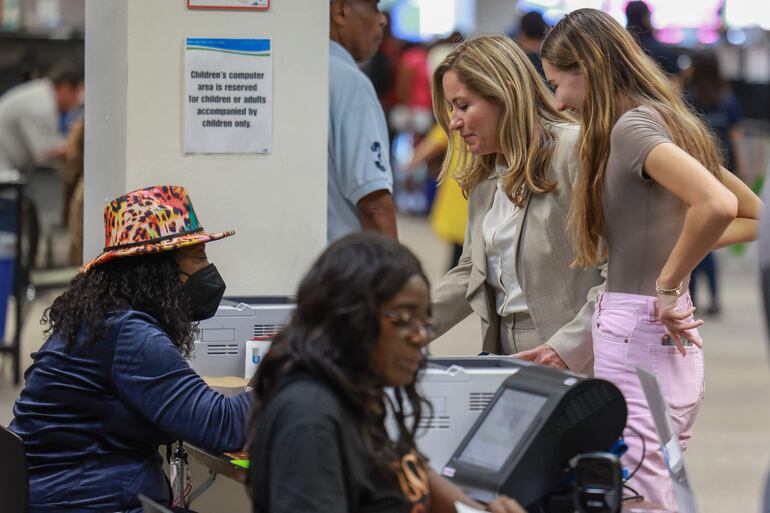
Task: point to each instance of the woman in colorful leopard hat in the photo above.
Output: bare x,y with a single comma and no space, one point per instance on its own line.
111,384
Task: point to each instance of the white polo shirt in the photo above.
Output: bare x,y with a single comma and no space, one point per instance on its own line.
28,124
358,161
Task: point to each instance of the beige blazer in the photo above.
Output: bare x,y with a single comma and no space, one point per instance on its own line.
560,300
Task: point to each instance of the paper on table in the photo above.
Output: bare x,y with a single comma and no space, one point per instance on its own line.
237,455
464,508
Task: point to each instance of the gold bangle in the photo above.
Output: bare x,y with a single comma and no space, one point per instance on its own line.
675,291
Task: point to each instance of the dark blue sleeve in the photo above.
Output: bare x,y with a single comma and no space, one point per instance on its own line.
734,113
149,374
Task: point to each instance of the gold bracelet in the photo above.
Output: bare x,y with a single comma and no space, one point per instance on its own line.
668,292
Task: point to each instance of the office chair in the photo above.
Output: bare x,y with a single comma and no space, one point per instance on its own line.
150,506
14,482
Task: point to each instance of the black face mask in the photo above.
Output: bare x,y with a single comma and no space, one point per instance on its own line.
204,289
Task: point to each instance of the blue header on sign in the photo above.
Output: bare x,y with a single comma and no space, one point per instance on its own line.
237,45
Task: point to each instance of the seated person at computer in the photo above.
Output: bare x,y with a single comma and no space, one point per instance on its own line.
317,439
111,384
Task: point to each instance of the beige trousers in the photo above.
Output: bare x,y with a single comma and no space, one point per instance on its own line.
517,333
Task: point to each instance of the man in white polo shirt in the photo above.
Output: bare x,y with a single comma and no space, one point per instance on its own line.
360,178
29,136
29,118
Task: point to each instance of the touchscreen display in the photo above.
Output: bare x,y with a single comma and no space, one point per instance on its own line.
500,432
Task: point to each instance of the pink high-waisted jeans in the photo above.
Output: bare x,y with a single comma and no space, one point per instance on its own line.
627,334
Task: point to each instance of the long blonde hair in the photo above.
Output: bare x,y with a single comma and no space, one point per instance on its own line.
495,68
616,71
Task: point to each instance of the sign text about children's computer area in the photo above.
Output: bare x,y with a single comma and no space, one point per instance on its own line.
228,95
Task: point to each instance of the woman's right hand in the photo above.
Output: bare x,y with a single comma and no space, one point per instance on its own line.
678,323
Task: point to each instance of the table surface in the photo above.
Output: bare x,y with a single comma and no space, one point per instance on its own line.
226,382
220,463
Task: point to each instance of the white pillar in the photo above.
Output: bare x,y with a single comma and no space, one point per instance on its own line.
134,132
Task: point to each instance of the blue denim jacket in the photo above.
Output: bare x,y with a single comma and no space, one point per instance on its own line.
92,417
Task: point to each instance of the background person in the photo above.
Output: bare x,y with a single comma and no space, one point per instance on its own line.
30,115
111,383
639,23
648,199
516,162
318,442
74,190
449,209
710,95
449,212
360,178
532,29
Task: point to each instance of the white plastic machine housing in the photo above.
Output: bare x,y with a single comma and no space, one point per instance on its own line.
221,346
459,388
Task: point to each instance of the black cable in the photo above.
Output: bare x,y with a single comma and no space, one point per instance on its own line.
636,495
644,451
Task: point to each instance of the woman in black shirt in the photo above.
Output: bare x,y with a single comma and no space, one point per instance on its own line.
318,440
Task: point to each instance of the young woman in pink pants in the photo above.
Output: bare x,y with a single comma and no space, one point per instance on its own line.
653,199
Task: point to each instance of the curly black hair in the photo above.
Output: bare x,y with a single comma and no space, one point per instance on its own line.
334,330
147,283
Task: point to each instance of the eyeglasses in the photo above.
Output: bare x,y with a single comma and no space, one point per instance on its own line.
408,325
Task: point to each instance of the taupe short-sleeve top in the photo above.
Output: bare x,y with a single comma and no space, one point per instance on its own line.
643,219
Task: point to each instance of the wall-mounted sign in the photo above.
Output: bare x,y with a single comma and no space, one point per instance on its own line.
228,96
247,5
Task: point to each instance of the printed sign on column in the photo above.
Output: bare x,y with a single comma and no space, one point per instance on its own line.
228,96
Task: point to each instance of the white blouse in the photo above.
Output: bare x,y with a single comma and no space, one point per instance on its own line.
499,230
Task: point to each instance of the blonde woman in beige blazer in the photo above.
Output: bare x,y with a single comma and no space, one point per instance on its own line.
518,161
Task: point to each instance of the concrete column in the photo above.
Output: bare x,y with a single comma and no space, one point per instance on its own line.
135,124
